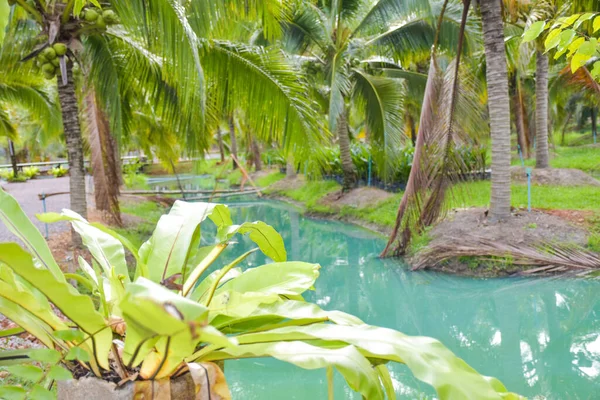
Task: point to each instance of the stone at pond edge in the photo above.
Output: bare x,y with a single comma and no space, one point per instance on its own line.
181,388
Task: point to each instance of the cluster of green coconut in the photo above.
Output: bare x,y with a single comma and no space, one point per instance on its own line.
98,18
49,59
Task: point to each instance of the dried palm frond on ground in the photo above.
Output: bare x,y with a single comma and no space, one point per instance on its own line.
543,257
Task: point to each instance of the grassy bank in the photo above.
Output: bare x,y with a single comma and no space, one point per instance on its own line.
585,158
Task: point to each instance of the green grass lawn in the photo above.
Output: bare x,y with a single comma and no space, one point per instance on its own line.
311,192
383,213
583,158
270,179
477,194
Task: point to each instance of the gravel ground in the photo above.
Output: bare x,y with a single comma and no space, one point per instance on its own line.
27,196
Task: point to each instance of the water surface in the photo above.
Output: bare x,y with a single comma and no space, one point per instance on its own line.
540,337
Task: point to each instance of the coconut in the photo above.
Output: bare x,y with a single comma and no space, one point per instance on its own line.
42,58
60,48
110,17
48,68
91,15
100,22
55,62
49,53
49,75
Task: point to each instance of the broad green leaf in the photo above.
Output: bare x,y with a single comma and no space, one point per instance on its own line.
70,335
176,234
59,373
386,380
49,356
41,393
21,226
265,236
29,373
239,305
589,47
568,21
566,38
78,308
77,353
25,320
88,270
553,39
202,288
596,24
579,61
574,47
18,294
151,312
105,249
124,241
11,332
268,314
288,278
582,19
427,358
353,366
171,323
202,266
534,31
14,357
88,284
12,393
169,353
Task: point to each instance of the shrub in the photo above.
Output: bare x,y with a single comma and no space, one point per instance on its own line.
8,175
171,316
59,171
31,172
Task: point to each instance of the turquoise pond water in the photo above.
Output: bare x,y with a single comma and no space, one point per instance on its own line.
540,337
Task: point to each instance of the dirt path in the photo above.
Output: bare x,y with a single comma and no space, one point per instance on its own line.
27,196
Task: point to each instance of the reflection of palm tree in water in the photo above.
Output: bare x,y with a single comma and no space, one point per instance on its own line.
295,244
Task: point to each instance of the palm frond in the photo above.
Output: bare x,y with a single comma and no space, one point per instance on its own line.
384,13
547,257
269,90
165,30
303,29
381,98
436,164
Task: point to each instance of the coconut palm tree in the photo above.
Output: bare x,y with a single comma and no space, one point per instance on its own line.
499,107
186,67
22,87
356,51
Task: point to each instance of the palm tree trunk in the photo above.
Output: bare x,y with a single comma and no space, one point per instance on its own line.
233,140
104,164
256,155
13,157
118,168
499,107
221,149
348,168
562,140
70,117
541,111
519,119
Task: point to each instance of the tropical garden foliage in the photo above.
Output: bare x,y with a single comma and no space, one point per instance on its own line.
166,314
416,96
